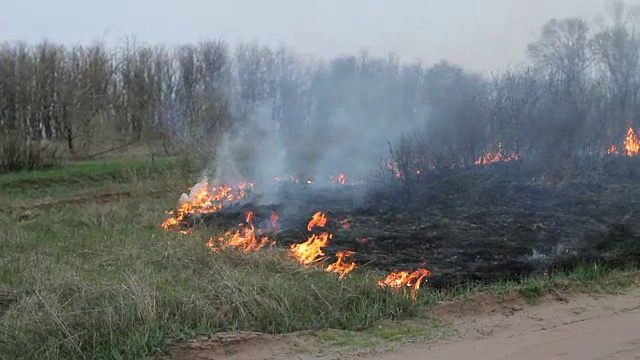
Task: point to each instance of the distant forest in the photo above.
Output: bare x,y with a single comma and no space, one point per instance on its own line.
579,95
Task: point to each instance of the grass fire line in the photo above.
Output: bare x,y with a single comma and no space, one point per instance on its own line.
202,200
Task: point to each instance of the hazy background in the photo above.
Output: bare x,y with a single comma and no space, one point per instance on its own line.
479,35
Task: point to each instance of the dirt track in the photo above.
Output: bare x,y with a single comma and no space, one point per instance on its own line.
584,327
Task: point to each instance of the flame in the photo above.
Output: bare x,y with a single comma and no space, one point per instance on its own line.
274,221
318,219
202,200
612,150
404,279
395,170
310,250
493,157
243,239
631,143
340,179
340,266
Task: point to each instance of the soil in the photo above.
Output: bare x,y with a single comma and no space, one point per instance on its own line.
478,225
583,327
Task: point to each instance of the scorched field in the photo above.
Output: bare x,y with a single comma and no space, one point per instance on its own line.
108,260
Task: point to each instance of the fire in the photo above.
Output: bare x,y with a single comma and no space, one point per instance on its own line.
318,219
493,157
340,179
395,170
203,199
340,266
244,239
404,279
631,143
612,150
274,221
310,250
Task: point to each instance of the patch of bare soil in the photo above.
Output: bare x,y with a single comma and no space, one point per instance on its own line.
582,327
585,327
247,345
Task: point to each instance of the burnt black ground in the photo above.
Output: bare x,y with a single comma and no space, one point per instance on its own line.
483,224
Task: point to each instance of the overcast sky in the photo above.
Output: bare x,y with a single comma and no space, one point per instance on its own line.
479,34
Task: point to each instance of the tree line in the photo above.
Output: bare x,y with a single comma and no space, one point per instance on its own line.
578,95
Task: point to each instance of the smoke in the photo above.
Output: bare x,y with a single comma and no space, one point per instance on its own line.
341,125
250,151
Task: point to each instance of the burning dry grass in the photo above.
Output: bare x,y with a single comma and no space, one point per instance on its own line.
100,280
205,199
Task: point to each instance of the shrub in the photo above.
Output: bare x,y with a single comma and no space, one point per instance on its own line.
20,154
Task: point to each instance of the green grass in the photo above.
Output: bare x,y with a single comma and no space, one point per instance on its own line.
87,169
101,280
89,177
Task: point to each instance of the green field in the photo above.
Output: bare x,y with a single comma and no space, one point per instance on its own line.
86,271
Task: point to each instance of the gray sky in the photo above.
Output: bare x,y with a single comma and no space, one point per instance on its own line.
479,34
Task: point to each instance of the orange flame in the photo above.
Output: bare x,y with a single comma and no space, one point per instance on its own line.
340,179
310,250
612,150
202,200
243,239
318,219
493,157
395,170
631,143
274,221
404,279
340,266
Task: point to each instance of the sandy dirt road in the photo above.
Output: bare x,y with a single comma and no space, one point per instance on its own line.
584,327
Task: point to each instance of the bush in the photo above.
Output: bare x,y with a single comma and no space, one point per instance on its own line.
20,154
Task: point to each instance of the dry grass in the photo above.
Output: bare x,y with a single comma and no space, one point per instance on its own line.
101,280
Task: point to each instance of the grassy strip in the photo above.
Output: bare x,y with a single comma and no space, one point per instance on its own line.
133,314
94,178
91,169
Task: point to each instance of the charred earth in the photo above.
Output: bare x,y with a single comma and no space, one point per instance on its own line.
476,225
